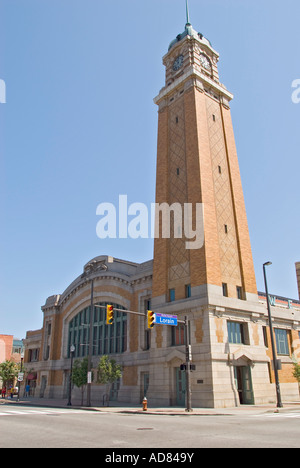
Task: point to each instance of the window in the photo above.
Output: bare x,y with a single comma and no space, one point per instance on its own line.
178,337
236,333
265,337
225,290
147,305
188,290
239,292
33,355
107,339
220,169
147,339
282,341
226,228
172,295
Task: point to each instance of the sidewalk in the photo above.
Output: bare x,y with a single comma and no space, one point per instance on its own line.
127,408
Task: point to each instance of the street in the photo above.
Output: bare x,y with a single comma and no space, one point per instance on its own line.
41,427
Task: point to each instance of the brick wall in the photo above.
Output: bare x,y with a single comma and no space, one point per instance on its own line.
6,344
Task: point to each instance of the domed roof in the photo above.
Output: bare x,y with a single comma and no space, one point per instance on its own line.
189,31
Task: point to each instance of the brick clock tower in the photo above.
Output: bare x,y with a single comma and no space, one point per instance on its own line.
197,163
213,284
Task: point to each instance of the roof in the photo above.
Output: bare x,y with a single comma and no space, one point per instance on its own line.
189,31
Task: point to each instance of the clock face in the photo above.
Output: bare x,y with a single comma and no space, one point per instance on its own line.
205,62
178,63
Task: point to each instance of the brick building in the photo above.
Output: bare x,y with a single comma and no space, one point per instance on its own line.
6,347
213,282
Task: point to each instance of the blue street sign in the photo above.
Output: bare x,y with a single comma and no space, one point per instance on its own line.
164,319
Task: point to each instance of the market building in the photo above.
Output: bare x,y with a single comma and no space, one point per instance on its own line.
205,272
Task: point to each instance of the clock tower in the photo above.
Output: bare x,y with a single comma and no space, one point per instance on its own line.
197,165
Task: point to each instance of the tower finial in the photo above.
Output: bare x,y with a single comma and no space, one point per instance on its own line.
187,13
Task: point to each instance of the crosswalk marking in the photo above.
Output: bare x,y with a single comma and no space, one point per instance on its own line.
44,412
277,415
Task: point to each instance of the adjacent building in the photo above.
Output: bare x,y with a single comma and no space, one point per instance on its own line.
10,348
202,268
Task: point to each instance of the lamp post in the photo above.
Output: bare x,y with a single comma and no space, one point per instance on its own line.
72,350
89,378
278,393
91,268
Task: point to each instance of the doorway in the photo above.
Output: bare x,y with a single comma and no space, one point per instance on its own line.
243,382
180,386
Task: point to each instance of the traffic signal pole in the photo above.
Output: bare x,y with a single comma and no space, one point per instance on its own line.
188,366
185,322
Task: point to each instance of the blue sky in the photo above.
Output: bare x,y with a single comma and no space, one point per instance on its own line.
80,127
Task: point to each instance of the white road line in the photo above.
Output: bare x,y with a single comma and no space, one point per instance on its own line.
278,415
44,412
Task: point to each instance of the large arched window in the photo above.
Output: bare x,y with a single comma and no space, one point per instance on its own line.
107,339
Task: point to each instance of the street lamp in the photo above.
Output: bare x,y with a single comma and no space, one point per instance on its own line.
72,351
89,378
92,267
278,394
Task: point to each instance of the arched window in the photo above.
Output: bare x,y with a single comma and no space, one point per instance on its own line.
107,339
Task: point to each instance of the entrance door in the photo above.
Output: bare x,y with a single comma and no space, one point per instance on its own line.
243,383
180,387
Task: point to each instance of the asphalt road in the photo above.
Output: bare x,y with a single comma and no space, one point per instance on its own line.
28,427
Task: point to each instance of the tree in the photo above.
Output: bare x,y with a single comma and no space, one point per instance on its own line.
8,372
108,373
296,372
79,375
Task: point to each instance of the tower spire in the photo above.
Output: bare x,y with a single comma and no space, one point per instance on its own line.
187,13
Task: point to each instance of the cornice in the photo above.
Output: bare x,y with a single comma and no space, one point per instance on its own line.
193,73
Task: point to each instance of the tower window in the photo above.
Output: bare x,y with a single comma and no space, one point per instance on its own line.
188,290
220,169
177,170
239,292
225,289
172,295
226,228
214,118
177,120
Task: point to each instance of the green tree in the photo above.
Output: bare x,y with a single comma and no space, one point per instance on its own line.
108,373
296,372
8,372
79,375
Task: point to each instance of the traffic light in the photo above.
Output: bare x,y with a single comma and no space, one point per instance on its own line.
109,314
151,318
